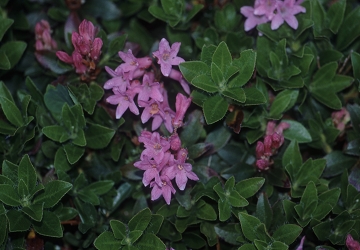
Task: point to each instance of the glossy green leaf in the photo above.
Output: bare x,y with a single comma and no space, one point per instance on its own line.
246,65
292,155
283,102
49,226
12,113
26,172
205,83
5,24
348,30
222,57
238,94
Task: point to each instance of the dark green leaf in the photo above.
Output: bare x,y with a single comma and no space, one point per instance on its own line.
246,65
18,222
107,241
73,152
249,187
297,132
98,136
205,83
192,69
14,51
348,30
119,229
8,195
34,211
141,220
238,94
287,233
26,172
150,241
222,57
117,45
5,24
215,109
52,193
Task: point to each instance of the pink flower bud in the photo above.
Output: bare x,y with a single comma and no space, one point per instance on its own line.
87,30
63,56
262,164
182,155
259,149
281,127
270,128
267,145
96,49
175,142
277,140
181,105
351,243
144,62
79,66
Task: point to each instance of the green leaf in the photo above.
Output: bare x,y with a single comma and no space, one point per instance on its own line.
12,113
117,45
34,211
263,210
100,187
49,226
8,195
73,152
149,241
97,136
283,102
89,197
141,220
308,202
60,162
287,233
227,18
14,51
55,98
252,228
205,83
4,63
3,228
254,96
246,65
354,111
208,50
217,76
206,212
119,229
18,222
192,69
348,30
56,133
224,210
238,94
292,155
107,241
297,132
222,57
52,193
26,172
249,187
337,162
5,24
215,109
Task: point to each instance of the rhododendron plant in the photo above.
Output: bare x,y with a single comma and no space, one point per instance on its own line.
180,124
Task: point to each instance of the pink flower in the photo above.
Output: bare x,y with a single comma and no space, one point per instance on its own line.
43,37
168,56
131,63
177,76
182,104
286,11
165,189
340,119
123,101
181,171
300,247
265,7
175,142
152,109
150,89
351,243
252,20
152,169
155,147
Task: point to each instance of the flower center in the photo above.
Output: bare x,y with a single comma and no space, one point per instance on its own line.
153,166
164,183
154,109
180,167
166,56
157,146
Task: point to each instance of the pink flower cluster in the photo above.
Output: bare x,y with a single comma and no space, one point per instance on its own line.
43,37
87,50
351,243
132,78
275,11
272,142
164,160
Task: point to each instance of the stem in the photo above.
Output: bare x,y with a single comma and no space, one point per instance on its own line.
326,147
